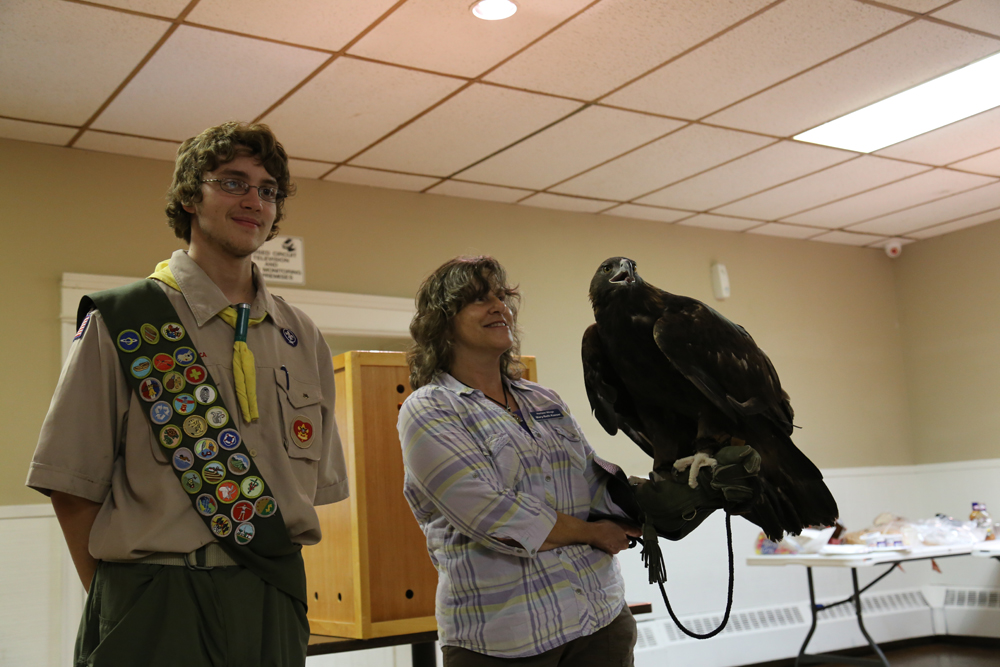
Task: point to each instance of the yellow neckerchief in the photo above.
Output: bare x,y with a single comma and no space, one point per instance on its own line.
244,370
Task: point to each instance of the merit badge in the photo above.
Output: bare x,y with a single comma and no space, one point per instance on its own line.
252,487
191,481
140,367
290,337
228,492
128,340
213,472
173,382
229,438
302,432
239,464
184,404
205,394
195,426
265,506
160,413
185,356
172,331
163,362
195,374
183,459
150,389
206,449
170,436
244,533
221,525
206,505
217,416
243,511
83,326
149,334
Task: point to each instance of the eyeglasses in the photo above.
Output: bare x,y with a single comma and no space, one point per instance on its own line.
234,186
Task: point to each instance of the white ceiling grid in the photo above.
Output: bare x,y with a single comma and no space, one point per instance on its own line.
674,111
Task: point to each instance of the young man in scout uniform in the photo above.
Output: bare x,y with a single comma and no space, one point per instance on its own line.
189,439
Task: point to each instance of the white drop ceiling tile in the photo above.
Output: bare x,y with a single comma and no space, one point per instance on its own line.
893,63
687,151
37,132
617,40
59,61
719,222
200,78
170,8
546,200
987,163
943,210
324,24
947,144
919,6
380,179
979,14
752,173
773,46
648,213
116,143
839,181
848,238
584,139
476,122
921,188
307,168
351,104
444,36
955,225
478,191
786,231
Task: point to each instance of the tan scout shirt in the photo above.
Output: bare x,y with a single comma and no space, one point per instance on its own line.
96,442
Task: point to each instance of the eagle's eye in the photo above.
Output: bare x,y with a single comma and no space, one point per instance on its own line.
607,268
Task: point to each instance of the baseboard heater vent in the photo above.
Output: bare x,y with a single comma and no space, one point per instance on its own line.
971,597
739,622
886,603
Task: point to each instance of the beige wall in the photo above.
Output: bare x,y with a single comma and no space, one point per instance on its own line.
949,296
825,313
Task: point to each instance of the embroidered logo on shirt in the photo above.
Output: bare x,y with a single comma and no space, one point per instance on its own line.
172,331
150,390
195,374
229,438
221,525
149,334
213,472
244,533
128,340
243,511
207,505
140,367
290,337
183,459
206,449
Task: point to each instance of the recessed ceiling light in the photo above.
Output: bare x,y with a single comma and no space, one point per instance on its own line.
494,10
939,102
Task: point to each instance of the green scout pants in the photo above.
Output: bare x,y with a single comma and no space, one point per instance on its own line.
167,615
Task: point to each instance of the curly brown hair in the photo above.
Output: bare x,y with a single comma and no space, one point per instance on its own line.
454,285
216,146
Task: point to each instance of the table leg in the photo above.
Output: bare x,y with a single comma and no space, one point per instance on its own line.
813,611
861,624
423,654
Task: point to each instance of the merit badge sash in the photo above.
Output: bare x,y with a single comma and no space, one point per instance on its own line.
197,433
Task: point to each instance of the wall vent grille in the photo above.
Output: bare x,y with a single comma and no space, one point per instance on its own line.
646,638
739,622
971,597
887,603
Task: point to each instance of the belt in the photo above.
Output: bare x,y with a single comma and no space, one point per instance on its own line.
207,557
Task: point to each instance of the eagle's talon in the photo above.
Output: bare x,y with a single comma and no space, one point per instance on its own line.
694,464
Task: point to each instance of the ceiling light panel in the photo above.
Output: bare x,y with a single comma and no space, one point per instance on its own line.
168,8
935,212
686,152
546,200
380,179
924,187
325,24
351,104
786,231
38,132
59,61
895,62
199,77
751,173
709,221
648,213
471,125
478,191
950,143
761,52
116,143
954,226
849,238
987,163
977,14
444,36
617,40
836,182
558,152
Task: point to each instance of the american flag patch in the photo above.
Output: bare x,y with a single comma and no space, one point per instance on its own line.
83,326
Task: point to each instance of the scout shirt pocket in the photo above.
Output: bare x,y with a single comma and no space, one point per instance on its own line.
506,460
301,415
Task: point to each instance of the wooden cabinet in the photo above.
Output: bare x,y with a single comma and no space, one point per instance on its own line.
370,576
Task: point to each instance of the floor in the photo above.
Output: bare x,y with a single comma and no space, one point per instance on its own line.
942,655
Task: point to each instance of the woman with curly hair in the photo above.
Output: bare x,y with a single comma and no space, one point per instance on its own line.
501,480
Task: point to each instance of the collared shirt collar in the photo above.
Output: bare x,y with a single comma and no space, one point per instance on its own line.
204,297
445,380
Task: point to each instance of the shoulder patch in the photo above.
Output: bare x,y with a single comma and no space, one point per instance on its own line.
83,326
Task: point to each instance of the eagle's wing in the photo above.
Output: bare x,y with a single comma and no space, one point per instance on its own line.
721,359
609,399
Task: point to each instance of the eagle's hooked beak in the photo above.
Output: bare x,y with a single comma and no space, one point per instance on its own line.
625,273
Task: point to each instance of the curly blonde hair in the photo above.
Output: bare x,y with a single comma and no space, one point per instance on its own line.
216,146
454,285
